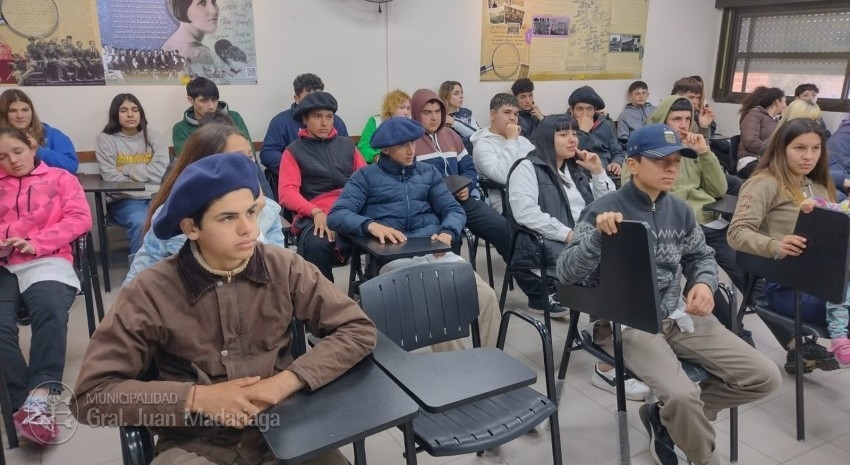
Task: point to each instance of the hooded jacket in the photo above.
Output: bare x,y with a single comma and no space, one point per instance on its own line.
47,207
185,127
58,150
756,127
701,180
443,149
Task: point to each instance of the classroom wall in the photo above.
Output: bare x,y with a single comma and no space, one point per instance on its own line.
361,54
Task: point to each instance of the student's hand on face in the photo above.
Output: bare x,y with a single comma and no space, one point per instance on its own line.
386,233
706,117
512,131
320,226
585,123
535,112
606,222
807,205
228,400
614,168
589,161
700,301
695,141
21,244
462,194
791,245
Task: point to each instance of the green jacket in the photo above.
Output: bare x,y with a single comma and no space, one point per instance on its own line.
185,127
365,143
701,180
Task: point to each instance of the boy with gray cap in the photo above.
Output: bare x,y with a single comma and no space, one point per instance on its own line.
740,374
213,322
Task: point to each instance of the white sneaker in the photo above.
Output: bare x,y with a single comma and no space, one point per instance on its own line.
635,390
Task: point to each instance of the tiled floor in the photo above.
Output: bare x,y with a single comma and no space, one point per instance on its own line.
587,414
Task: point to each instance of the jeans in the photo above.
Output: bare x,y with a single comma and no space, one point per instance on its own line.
487,224
131,215
320,251
48,303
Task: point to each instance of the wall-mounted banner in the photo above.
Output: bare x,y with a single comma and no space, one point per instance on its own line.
97,42
562,40
167,41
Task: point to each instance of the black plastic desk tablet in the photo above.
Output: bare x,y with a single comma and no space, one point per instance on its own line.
360,403
442,381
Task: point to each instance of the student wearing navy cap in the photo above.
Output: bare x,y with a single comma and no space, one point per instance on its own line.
213,321
685,410
398,197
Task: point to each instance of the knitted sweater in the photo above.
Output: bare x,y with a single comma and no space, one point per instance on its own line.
676,240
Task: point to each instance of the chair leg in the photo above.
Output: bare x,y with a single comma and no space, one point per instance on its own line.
798,343
409,445
489,257
620,371
360,452
733,434
572,336
8,421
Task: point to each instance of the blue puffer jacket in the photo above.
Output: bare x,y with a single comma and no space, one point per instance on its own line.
412,199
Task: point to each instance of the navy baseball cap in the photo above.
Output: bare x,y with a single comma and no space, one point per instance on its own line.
657,141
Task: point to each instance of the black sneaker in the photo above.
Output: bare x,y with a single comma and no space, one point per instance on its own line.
814,356
660,443
747,336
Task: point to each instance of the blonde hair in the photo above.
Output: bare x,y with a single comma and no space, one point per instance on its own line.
800,109
392,101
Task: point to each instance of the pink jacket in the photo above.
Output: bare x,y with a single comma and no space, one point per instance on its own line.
48,208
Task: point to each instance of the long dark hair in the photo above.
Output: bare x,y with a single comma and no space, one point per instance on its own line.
544,140
761,97
114,127
774,162
205,141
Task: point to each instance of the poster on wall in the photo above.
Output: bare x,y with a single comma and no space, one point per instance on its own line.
170,41
550,40
50,43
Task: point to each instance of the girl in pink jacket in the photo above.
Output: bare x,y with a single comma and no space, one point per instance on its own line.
42,210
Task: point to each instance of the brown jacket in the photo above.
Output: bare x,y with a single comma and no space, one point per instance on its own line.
766,213
196,328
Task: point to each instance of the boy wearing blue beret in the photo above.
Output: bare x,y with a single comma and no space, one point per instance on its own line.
213,321
398,197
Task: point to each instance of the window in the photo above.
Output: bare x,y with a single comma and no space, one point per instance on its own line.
801,42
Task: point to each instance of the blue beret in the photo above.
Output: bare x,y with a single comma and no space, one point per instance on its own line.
200,184
314,101
396,131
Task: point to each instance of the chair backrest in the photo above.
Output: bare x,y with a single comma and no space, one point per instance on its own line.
734,141
628,291
422,305
821,270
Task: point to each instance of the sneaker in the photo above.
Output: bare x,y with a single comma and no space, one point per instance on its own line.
660,443
814,356
635,390
747,336
840,347
35,422
555,310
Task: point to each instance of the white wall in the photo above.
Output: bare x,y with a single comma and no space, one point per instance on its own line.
361,54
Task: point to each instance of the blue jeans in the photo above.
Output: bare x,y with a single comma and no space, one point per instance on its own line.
131,215
48,303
